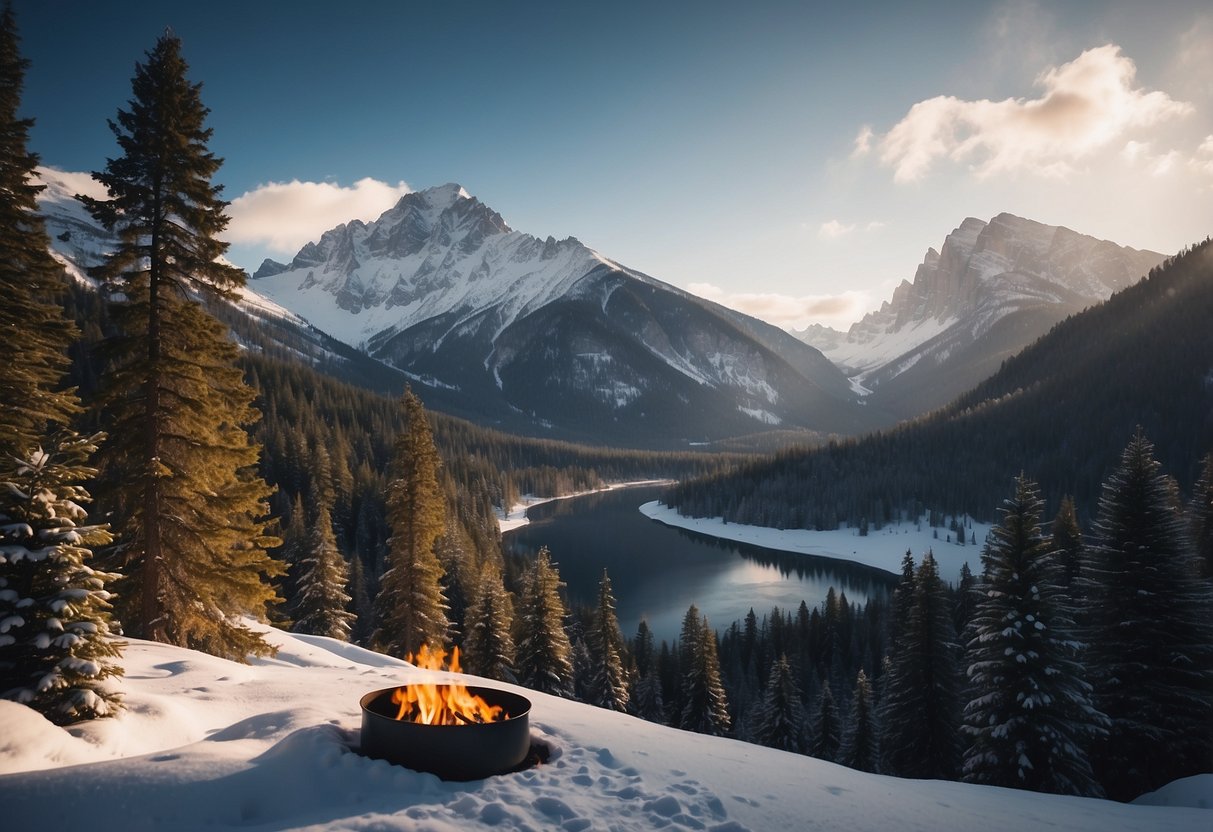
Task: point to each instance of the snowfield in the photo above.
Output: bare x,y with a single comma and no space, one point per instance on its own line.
883,548
207,743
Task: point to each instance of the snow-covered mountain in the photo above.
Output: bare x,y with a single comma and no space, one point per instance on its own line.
988,292
501,325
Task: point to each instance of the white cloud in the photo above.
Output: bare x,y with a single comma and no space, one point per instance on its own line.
1086,105
833,229
284,216
1143,155
838,311
863,142
1202,162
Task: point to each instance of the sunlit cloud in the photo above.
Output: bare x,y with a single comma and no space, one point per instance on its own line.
838,311
284,216
1142,154
1202,162
1086,105
863,142
833,229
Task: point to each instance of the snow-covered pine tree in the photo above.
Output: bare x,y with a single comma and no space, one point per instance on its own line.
488,646
780,722
705,707
410,607
859,742
1201,514
920,714
608,680
56,647
1150,632
322,600
1029,720
826,733
1066,541
180,466
646,700
55,643
544,654
902,602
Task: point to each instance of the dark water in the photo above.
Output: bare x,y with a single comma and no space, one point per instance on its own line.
658,571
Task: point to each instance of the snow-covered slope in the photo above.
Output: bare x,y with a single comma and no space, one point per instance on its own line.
496,321
990,290
210,744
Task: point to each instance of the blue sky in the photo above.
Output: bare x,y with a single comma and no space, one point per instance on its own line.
794,160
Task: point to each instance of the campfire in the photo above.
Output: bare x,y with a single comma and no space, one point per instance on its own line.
452,730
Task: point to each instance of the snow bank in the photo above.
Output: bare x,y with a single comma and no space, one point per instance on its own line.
883,549
516,517
207,743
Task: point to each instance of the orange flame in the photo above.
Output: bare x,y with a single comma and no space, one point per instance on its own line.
450,704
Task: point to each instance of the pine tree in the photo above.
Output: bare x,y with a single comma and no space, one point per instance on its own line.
647,701
706,708
1066,541
1029,720
859,743
608,682
826,730
322,602
1202,516
902,602
488,646
921,708
1151,632
31,323
180,466
544,655
410,607
965,598
781,714
56,646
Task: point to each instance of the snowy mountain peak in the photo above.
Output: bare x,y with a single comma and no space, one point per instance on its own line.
989,290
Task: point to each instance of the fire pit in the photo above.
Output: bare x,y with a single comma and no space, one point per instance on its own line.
453,731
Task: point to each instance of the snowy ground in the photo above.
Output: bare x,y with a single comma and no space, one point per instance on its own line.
516,516
207,743
883,549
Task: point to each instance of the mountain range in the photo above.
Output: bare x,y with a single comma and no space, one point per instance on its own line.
548,337
990,290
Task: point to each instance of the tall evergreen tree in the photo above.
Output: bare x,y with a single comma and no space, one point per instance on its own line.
322,601
1029,720
1151,632
544,655
781,714
31,322
609,681
55,644
859,742
488,646
181,466
410,607
705,707
921,708
965,598
1202,516
827,732
1066,541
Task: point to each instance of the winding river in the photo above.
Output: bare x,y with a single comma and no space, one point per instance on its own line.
657,571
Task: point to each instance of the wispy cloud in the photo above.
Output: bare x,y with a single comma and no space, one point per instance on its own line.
284,216
833,229
1085,105
838,310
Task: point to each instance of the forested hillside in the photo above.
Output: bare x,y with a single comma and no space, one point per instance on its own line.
1059,411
